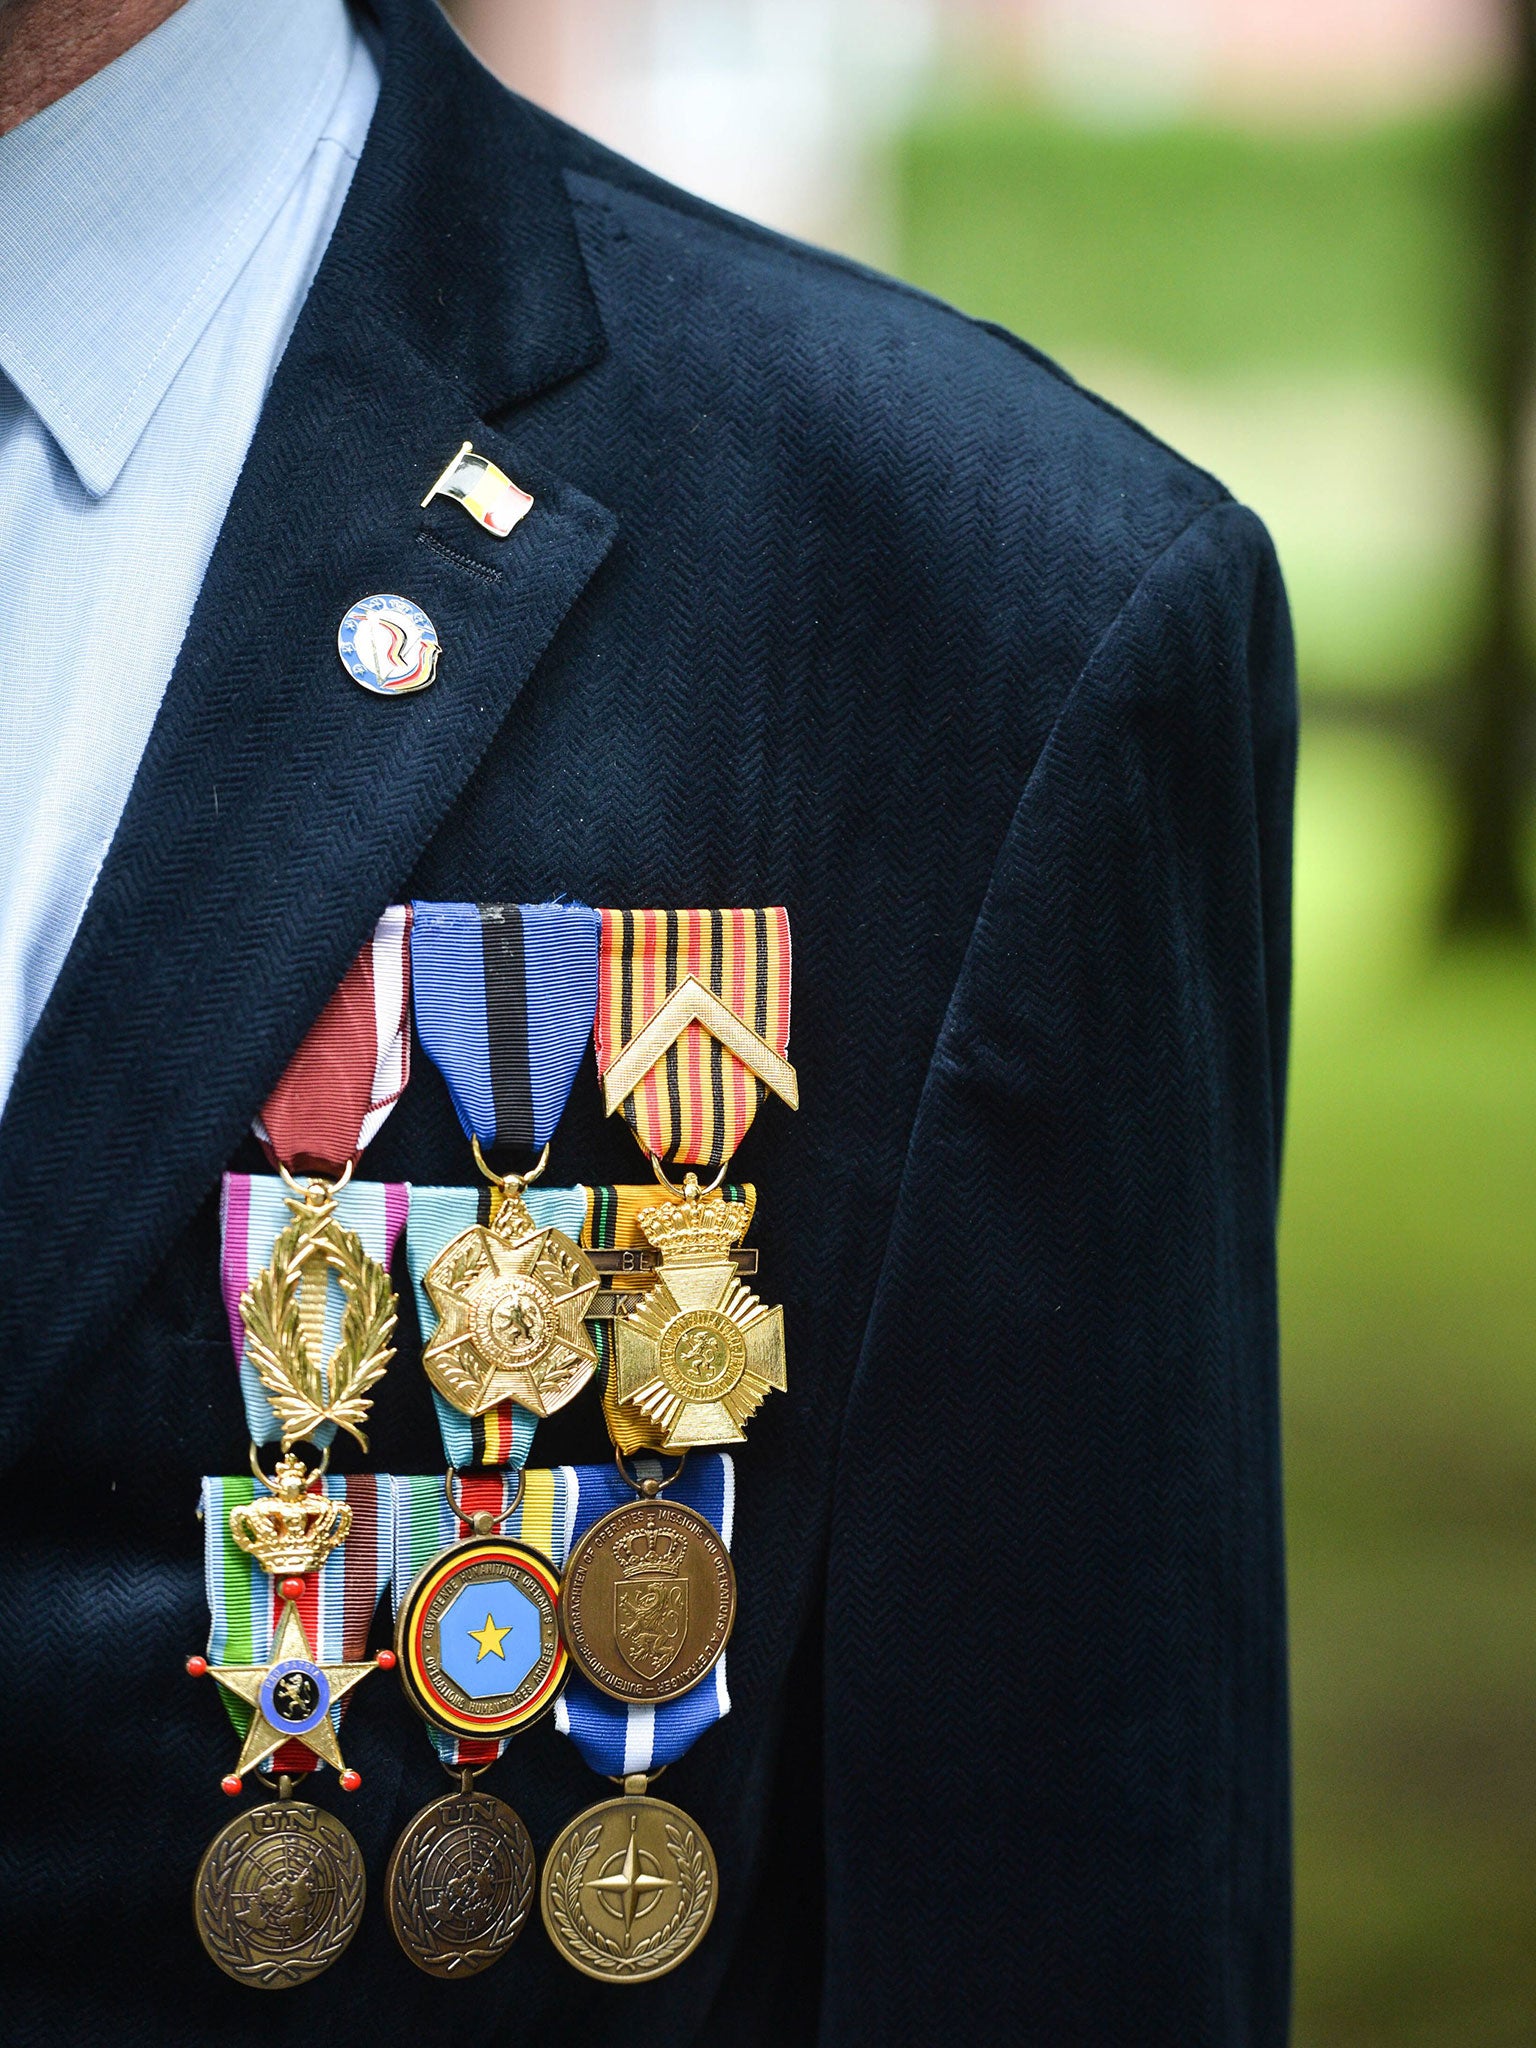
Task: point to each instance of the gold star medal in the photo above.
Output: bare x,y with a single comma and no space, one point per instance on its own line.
291,1696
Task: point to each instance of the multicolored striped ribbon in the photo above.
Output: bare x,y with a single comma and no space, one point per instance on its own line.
504,1434
693,1098
425,1526
354,1063
505,995
557,1507
253,1209
336,1607
614,1738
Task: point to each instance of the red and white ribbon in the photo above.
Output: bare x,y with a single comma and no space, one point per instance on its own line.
352,1068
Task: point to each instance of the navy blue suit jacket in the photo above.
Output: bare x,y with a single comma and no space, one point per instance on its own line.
832,598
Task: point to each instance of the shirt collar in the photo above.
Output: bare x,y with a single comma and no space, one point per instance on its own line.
129,207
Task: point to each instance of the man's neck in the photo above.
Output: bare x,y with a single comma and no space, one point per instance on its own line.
48,47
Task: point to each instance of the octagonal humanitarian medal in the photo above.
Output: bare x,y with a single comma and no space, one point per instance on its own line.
478,1638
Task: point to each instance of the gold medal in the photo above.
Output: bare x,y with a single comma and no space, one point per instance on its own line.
279,1893
694,1360
283,1310
629,1888
510,1296
647,1601
292,1530
460,1883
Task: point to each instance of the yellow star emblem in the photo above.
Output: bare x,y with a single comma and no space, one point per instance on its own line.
489,1638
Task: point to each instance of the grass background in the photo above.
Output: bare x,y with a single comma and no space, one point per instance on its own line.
1302,313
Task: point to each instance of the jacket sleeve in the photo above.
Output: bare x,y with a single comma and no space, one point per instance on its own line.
1056,1751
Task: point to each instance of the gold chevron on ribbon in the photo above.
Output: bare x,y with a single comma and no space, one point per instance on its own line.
692,1003
693,1025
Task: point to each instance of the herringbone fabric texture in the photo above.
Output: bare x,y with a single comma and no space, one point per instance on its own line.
829,598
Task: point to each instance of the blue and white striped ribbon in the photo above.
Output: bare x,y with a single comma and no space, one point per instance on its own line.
614,1738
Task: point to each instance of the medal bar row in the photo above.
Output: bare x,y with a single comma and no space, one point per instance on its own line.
603,1595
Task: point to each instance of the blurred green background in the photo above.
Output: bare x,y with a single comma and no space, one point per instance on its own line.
1305,310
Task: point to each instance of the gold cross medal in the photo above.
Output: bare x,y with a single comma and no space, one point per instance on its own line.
295,1562
691,1033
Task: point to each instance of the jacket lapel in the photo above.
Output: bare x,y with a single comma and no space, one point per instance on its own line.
279,807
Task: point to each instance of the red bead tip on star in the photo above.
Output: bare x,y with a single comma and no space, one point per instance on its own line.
350,1780
385,1660
231,1784
197,1667
292,1589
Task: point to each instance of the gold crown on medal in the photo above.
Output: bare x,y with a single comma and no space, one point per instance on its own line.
651,1549
292,1530
695,1228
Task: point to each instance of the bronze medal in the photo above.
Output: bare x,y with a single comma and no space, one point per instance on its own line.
279,1894
647,1601
629,1888
460,1883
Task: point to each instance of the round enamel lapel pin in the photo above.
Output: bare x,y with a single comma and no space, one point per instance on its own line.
388,645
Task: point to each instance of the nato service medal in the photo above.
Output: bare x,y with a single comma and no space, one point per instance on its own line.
388,645
647,1601
629,1889
279,1893
478,1638
460,1883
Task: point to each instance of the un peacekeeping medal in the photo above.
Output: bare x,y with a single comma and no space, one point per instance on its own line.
460,1883
647,1600
279,1893
630,1887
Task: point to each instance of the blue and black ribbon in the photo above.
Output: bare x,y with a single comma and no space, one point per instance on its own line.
505,995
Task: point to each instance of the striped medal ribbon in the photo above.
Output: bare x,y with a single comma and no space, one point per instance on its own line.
692,1026
296,1562
504,997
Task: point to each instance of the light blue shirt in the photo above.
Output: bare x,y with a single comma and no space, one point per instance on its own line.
159,228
